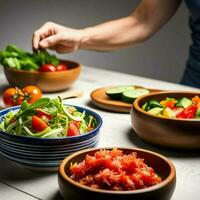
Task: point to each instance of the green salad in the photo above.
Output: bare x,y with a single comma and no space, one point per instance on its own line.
47,118
16,58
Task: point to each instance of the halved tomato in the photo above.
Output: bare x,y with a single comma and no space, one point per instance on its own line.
38,124
73,129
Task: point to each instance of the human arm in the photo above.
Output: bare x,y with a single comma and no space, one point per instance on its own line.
145,20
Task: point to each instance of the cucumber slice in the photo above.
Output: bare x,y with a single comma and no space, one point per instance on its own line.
116,92
198,112
184,102
130,95
155,111
151,104
154,104
145,106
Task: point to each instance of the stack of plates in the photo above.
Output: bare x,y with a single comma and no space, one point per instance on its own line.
45,153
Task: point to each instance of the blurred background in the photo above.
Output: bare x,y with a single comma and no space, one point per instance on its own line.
162,57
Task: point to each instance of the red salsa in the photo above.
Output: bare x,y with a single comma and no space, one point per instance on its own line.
113,170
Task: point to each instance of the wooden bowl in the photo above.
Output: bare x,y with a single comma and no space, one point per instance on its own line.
162,166
46,81
167,132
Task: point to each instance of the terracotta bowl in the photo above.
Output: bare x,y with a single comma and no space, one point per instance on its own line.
162,166
46,81
167,132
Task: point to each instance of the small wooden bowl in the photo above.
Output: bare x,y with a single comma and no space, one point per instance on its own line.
46,81
167,132
162,166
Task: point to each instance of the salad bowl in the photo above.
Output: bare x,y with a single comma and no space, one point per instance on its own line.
168,132
40,68
45,153
71,189
46,81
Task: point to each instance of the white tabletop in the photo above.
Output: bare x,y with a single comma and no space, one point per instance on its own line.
18,183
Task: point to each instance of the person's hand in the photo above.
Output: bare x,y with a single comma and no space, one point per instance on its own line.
56,37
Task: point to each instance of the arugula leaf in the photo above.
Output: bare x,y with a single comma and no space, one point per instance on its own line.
40,103
30,110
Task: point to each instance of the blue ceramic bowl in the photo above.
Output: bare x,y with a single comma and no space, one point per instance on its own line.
51,141
45,153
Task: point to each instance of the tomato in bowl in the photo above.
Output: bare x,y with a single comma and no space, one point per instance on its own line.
52,68
40,68
171,132
71,188
47,81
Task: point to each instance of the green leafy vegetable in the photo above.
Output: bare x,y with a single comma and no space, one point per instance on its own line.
53,112
18,59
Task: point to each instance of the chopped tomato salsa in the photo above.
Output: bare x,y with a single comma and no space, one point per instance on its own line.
113,170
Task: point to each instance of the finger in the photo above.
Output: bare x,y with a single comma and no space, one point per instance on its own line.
44,31
51,41
35,41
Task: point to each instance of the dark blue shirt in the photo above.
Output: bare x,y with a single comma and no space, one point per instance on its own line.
191,75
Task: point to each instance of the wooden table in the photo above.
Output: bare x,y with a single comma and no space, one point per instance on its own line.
17,183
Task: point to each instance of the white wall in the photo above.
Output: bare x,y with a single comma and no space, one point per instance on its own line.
162,57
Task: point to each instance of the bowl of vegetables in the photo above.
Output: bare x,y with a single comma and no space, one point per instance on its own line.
117,174
169,119
41,134
40,68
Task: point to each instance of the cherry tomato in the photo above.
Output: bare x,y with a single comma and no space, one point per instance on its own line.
13,97
61,67
72,130
188,113
47,68
38,124
32,93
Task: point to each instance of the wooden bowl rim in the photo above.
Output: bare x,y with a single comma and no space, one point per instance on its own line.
136,106
170,178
